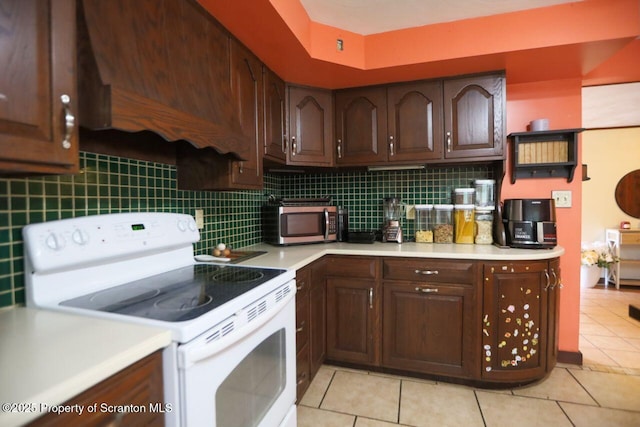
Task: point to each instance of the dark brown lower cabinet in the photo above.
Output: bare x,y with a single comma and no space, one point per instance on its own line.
317,318
139,385
515,326
429,328
353,316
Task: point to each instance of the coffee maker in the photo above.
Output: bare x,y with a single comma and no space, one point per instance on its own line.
530,223
391,230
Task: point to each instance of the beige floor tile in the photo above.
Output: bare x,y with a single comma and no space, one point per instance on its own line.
318,387
366,395
626,331
425,404
559,385
584,342
368,422
499,411
610,343
635,342
595,356
614,391
626,359
313,417
596,329
585,416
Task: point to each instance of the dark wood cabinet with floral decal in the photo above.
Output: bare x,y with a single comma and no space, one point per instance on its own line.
515,325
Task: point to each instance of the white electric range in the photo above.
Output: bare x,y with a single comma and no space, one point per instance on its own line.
232,359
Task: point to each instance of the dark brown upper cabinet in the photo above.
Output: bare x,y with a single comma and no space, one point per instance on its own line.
474,117
397,123
275,107
38,96
310,127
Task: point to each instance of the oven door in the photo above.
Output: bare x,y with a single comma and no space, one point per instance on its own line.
246,378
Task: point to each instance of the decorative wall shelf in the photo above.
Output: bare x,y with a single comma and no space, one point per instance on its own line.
544,154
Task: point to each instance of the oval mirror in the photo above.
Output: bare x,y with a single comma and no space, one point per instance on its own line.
628,193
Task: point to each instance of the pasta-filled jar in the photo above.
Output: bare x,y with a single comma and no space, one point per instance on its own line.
443,223
424,232
484,225
464,224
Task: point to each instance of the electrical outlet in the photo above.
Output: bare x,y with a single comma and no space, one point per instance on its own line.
562,198
411,211
199,219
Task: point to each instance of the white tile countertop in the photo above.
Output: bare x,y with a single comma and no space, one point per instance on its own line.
47,357
295,257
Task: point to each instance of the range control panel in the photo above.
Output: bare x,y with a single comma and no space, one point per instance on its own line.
78,241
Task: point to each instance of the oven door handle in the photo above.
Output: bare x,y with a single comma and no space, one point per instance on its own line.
187,357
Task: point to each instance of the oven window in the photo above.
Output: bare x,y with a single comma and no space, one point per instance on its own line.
254,385
302,224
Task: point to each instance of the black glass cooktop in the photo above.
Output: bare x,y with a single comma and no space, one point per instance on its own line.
177,295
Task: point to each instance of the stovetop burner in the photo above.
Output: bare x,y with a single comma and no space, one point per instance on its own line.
177,295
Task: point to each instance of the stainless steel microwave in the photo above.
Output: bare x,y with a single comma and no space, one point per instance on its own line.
300,224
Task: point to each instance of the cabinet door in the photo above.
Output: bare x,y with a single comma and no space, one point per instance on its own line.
514,321
474,117
38,132
361,126
274,116
317,318
553,291
414,121
310,127
353,317
246,88
429,328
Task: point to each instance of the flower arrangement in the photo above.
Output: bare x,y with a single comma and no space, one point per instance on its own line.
597,253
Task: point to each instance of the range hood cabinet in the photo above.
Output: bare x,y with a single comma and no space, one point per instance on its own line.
161,66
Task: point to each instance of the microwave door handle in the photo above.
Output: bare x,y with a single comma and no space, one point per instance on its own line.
326,224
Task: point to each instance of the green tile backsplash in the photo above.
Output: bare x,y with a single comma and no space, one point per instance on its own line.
108,184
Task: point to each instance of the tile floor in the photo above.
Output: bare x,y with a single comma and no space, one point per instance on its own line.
604,391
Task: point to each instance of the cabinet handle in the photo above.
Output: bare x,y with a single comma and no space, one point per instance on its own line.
546,274
241,167
391,146
448,142
426,290
370,297
117,419
339,148
427,272
301,378
300,286
69,121
301,328
294,146
555,279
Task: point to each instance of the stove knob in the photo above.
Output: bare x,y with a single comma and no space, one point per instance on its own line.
192,225
80,237
55,241
182,225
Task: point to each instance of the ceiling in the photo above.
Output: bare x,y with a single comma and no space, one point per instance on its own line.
402,40
378,16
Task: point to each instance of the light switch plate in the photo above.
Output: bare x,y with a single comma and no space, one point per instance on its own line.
199,219
411,211
562,198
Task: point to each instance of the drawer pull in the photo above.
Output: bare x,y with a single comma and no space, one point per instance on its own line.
300,286
426,290
301,328
427,272
302,378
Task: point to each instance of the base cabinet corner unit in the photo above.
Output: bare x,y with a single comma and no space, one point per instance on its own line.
625,245
486,323
427,121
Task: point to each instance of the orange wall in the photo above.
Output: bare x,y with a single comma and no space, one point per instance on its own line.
560,102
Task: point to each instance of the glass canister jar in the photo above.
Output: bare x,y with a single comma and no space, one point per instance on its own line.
443,223
464,224
424,232
464,196
485,192
484,225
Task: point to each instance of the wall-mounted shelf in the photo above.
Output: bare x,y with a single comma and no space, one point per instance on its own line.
544,154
